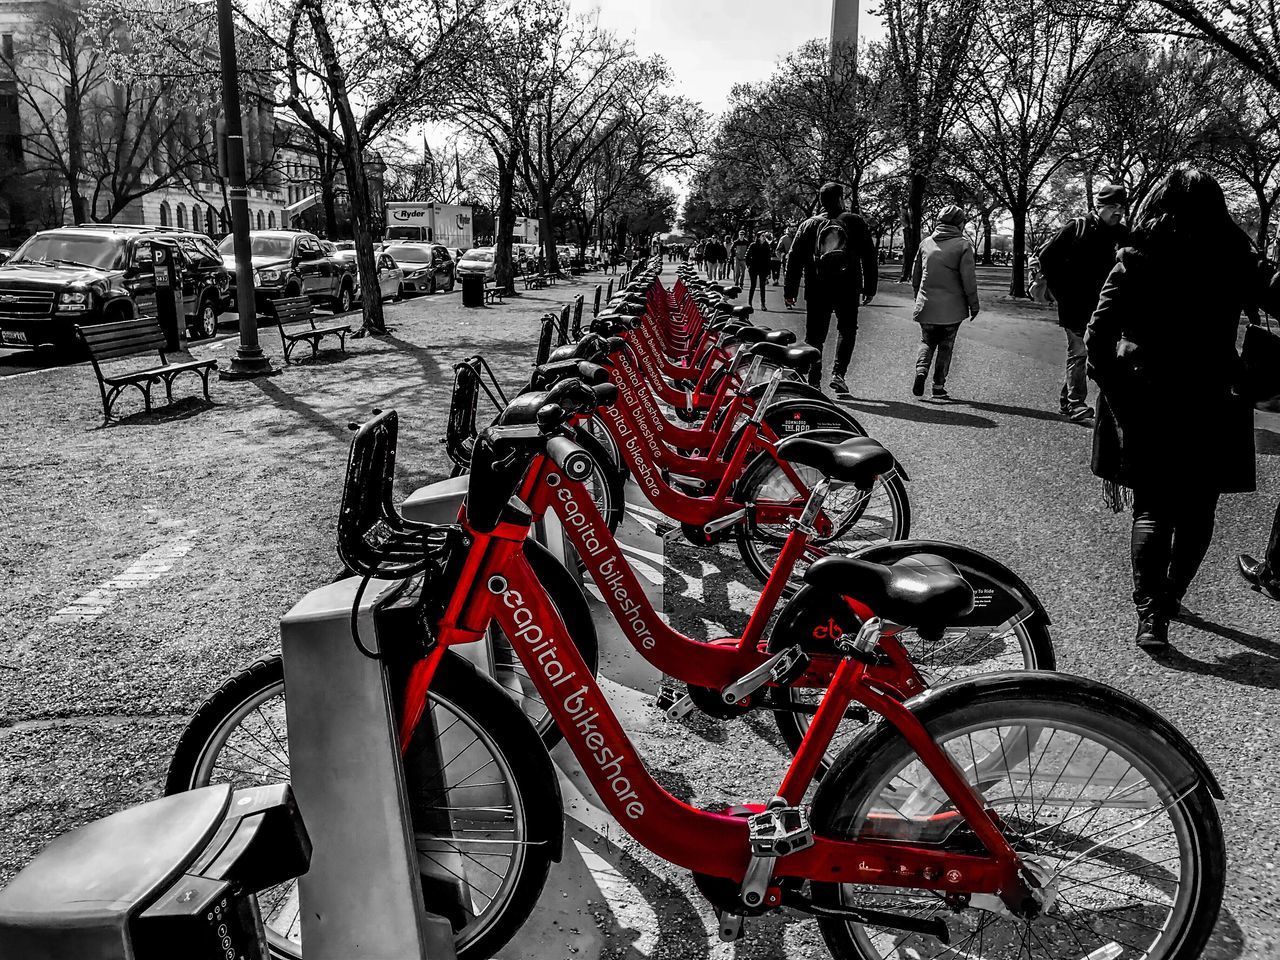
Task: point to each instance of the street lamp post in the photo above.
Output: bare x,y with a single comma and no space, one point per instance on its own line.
249,360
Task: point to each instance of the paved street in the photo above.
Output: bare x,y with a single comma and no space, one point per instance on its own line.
200,527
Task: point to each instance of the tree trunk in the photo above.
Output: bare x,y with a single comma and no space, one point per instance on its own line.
329,199
1264,220
505,224
986,238
353,161
547,227
1018,283
913,221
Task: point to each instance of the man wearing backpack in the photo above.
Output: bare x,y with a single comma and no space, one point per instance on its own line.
1075,264
834,253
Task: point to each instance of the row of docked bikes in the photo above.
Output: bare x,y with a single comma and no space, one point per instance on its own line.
949,794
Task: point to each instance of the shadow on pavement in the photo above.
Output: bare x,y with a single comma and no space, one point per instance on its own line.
184,408
1266,443
1029,412
308,413
1260,668
920,412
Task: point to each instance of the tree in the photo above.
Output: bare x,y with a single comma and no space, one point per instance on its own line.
928,58
495,106
1243,139
1140,114
597,88
107,140
350,71
1035,61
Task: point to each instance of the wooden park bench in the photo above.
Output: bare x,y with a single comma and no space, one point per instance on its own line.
129,338
535,281
296,309
494,293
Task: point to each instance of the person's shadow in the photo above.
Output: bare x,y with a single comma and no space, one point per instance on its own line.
1260,667
946,414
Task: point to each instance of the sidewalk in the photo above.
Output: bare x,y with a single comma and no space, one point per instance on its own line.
200,530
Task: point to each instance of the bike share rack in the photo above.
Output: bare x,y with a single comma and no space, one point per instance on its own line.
363,897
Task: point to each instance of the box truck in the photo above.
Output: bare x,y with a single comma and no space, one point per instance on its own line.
446,223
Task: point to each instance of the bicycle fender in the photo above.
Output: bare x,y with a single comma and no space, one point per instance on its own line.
984,573
1024,684
546,820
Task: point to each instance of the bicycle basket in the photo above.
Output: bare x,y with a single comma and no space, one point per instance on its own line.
545,336
460,433
373,539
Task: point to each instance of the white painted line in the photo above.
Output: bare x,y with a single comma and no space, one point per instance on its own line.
148,568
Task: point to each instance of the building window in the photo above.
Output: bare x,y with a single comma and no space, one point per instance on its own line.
164,213
6,45
182,216
261,220
195,217
208,221
271,220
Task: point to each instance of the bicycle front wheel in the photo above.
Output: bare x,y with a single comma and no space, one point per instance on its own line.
1123,836
486,822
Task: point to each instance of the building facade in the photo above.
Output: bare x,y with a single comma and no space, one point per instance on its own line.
48,102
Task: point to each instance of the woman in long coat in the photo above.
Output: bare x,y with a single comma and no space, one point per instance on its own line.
1173,432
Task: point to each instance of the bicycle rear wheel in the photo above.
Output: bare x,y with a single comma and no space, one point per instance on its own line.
1118,827
486,822
858,516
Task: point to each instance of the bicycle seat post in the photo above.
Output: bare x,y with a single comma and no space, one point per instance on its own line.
817,498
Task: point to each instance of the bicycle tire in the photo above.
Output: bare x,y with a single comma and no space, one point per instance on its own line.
873,766
761,469
459,684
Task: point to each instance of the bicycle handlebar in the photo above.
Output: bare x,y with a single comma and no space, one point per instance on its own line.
575,462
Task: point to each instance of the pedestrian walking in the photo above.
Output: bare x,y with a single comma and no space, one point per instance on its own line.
1075,264
784,246
758,257
944,277
697,256
738,254
1161,347
1264,575
835,257
715,254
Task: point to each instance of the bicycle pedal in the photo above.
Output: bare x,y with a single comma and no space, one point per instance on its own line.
681,708
730,926
779,831
673,534
793,663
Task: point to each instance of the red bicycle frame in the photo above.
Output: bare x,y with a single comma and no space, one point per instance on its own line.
715,664
498,584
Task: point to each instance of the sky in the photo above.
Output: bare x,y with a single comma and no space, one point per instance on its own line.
713,44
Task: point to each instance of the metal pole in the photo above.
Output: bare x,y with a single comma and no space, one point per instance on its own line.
249,360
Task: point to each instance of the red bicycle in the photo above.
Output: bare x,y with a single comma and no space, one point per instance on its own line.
1017,815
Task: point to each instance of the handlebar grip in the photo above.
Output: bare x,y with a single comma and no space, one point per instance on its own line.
592,373
573,396
574,462
606,394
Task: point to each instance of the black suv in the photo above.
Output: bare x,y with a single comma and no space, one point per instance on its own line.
98,273
294,263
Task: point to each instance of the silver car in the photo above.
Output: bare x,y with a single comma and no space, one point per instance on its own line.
478,260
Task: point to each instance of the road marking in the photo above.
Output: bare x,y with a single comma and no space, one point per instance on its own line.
148,568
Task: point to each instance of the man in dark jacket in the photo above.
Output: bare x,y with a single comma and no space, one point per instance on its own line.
837,259
759,255
1075,264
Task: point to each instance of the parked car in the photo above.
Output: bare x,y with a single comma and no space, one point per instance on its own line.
478,260
94,273
427,266
293,263
390,278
